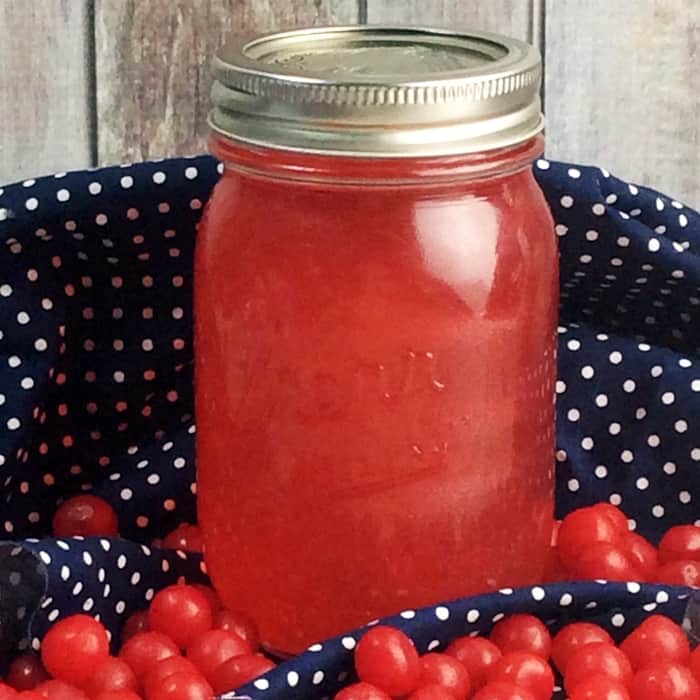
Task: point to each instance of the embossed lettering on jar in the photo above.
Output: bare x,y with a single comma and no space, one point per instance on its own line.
376,285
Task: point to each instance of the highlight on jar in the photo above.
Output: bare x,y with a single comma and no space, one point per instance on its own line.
389,503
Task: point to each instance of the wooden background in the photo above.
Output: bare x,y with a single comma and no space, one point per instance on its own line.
92,82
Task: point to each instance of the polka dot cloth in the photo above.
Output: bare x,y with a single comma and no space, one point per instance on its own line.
96,396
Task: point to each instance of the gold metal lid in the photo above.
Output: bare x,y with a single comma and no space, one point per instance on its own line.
378,91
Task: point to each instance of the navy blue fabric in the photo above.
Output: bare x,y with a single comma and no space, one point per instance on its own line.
96,395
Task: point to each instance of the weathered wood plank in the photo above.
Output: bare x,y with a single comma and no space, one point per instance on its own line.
44,84
511,17
153,63
622,89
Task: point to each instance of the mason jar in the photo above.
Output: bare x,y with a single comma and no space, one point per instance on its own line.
376,297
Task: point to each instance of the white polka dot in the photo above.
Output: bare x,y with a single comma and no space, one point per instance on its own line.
538,593
587,372
442,613
627,456
573,485
601,400
567,201
680,426
63,195
585,259
560,386
658,511
101,219
669,468
574,345
126,494
601,471
682,220
31,204
88,604
656,371
629,385
261,683
87,558
633,587
573,414
587,443
5,290
473,616
45,557
654,245
348,643
292,679
575,173
684,497
642,483
695,454
617,620
121,561
653,440
126,182
615,357
668,398
94,188
191,173
598,209
561,230
159,177
40,344
543,164
13,423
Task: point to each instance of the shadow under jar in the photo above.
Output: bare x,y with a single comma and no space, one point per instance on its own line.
376,294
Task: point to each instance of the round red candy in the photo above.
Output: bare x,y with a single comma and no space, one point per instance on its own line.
477,655
665,680
239,671
431,692
211,595
503,691
597,659
183,686
445,671
181,612
361,691
138,622
29,695
73,648
117,695
146,649
680,542
658,638
600,688
527,671
679,573
7,692
212,648
85,515
58,690
385,657
642,554
580,529
111,674
185,537
574,636
522,633
26,672
164,668
615,515
604,560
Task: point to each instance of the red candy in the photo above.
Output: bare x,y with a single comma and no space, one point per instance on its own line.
658,638
111,674
603,560
574,636
680,542
58,690
431,692
26,672
600,688
503,691
642,554
145,649
186,537
386,658
240,623
522,633
138,622
580,529
117,695
8,693
680,573
615,515
73,648
597,659
665,680
181,612
183,686
362,691
239,671
85,515
477,655
212,648
527,671
447,672
164,668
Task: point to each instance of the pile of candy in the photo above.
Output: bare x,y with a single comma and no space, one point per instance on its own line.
518,661
186,646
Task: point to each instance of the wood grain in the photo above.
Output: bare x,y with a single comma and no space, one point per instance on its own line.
153,63
44,87
622,89
511,17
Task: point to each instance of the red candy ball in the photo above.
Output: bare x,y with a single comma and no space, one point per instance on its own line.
680,542
185,537
477,655
603,560
445,671
642,554
658,638
361,691
385,657
211,649
600,688
117,695
431,692
164,668
679,573
145,649
111,674
580,529
665,680
597,659
503,691
181,612
58,690
615,515
574,636
85,515
73,648
26,672
527,671
183,686
522,633
138,622
239,623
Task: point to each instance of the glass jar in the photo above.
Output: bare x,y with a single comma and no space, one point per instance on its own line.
376,295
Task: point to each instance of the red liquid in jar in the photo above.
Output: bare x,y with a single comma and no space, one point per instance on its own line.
375,365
